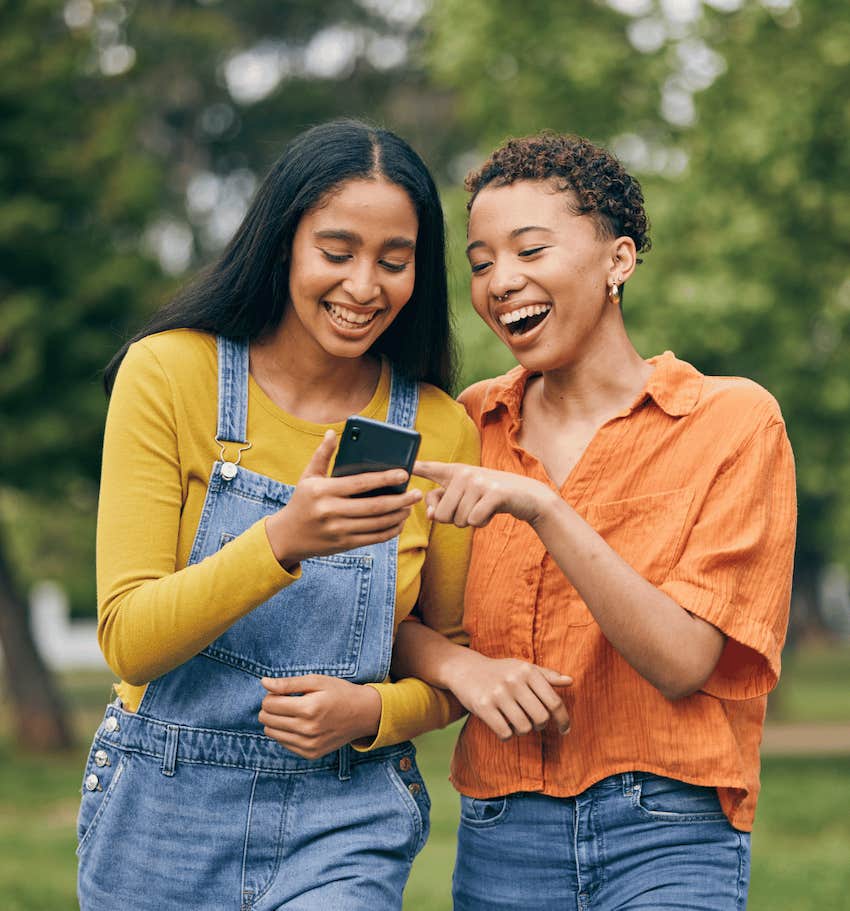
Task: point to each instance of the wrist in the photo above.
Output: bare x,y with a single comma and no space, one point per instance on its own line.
545,505
457,664
275,526
368,711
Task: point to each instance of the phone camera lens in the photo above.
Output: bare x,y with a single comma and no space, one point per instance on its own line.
355,433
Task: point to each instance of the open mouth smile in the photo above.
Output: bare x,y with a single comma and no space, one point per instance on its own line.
524,319
348,319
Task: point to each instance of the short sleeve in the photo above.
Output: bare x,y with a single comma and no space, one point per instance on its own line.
735,569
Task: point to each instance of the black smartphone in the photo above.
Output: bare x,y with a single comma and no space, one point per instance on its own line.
368,445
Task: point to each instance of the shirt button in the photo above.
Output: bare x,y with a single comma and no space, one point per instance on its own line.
405,764
414,788
111,724
92,782
525,651
101,758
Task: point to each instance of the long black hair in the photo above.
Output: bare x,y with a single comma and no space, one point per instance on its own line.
245,291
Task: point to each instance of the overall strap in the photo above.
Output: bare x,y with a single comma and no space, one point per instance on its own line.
404,399
232,390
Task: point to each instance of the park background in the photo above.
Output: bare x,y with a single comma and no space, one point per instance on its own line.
132,135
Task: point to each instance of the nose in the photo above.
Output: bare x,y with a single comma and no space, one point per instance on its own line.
504,281
361,284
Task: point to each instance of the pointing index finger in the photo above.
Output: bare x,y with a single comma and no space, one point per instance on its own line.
439,472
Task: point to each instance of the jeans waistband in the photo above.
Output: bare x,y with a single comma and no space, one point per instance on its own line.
176,743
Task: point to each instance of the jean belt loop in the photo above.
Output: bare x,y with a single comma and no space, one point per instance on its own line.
628,780
345,763
169,759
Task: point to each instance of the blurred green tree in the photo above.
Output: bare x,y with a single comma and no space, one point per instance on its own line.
736,123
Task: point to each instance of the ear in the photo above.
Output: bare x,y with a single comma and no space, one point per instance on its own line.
623,259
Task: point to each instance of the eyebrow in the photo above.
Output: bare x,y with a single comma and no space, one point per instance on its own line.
351,237
515,233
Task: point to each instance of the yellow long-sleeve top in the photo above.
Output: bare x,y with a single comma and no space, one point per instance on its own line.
154,611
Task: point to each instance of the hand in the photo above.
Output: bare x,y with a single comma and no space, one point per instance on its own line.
509,696
469,495
315,714
322,517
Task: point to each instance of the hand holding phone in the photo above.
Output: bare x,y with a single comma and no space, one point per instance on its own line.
368,445
329,515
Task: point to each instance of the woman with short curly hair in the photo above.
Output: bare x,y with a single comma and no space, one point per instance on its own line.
635,530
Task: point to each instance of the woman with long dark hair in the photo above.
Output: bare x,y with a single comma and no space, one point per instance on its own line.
255,757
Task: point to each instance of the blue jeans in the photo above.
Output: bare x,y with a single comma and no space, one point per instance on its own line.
631,841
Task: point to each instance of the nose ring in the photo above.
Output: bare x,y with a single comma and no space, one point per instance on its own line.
503,297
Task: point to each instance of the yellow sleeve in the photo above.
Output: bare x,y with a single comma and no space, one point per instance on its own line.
153,616
410,706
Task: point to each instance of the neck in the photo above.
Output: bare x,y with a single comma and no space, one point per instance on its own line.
310,384
602,381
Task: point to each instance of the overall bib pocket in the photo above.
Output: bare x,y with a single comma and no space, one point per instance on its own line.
314,626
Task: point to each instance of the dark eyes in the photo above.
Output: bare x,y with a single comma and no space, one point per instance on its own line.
345,257
525,254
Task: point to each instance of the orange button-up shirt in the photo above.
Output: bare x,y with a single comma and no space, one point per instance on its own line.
693,485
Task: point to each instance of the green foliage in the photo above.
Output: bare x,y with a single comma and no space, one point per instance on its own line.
748,274
92,155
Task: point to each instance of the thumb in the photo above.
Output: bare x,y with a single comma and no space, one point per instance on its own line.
318,465
556,678
291,686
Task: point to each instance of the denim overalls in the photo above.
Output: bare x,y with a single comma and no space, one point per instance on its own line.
187,804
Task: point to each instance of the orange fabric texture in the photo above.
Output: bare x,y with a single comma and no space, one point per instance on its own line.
693,485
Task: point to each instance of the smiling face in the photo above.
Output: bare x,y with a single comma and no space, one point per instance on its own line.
540,274
352,268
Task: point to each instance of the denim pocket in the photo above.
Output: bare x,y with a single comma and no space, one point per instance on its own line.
670,800
405,777
479,812
106,767
314,626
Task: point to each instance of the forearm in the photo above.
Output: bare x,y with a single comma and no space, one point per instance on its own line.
422,652
671,648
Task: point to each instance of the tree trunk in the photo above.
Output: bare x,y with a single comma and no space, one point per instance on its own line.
40,720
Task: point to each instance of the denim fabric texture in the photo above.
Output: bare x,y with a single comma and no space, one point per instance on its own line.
631,841
187,804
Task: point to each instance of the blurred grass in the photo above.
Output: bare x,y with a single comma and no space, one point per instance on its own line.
801,844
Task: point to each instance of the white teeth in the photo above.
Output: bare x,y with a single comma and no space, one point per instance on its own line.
344,315
516,315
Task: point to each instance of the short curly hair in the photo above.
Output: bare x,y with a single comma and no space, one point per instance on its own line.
599,184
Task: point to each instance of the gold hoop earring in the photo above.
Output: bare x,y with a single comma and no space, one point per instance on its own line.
614,293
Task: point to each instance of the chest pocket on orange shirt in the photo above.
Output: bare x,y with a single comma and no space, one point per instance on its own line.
645,531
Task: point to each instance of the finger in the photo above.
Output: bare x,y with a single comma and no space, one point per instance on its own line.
303,746
370,524
288,686
481,513
285,721
378,537
555,678
439,472
320,461
432,501
494,720
553,702
466,507
534,708
366,507
516,717
447,507
369,480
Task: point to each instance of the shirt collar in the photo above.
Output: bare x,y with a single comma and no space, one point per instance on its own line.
674,385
